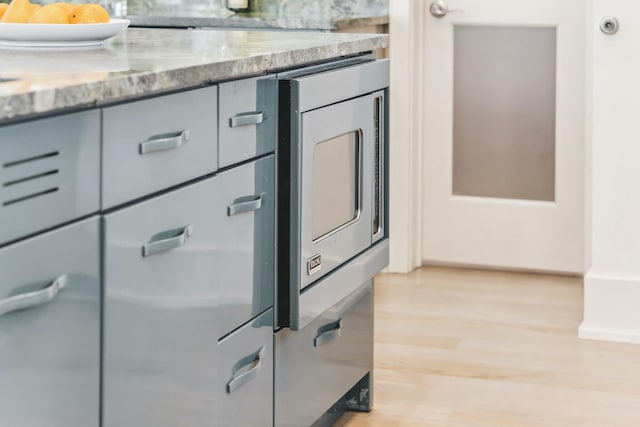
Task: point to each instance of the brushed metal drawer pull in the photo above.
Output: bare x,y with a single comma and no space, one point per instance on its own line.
245,204
245,369
327,333
164,142
33,299
162,242
246,119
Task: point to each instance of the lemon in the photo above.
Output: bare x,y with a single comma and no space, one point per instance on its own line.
50,14
18,11
3,8
88,14
67,6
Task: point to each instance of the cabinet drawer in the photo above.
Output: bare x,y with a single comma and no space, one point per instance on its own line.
245,242
245,384
320,363
49,172
158,143
50,329
247,119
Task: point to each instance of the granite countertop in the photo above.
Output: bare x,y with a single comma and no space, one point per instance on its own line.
140,62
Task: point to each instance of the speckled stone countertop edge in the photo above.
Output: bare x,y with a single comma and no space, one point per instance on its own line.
20,106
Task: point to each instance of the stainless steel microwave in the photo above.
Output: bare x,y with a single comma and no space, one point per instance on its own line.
332,157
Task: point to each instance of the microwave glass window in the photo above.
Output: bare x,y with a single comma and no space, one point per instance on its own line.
336,183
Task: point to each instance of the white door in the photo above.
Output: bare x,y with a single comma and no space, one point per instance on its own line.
503,134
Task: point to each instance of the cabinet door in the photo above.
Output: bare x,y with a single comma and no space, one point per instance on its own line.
244,261
50,329
245,384
317,365
160,316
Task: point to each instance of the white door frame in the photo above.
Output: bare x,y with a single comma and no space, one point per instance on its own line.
406,29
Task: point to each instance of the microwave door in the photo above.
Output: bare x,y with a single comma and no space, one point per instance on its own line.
336,186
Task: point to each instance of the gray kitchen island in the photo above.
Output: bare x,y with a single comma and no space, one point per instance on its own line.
138,231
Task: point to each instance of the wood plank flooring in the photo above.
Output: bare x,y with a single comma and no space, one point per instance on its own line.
467,348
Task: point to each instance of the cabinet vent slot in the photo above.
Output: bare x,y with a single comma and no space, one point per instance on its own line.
31,159
30,196
30,178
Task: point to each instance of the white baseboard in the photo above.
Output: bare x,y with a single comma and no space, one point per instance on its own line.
611,308
586,332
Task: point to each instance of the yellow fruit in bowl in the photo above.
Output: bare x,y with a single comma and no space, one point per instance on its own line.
18,11
50,14
3,8
67,6
88,14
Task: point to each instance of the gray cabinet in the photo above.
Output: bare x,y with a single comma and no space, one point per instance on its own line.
244,388
50,329
320,363
248,119
185,254
49,172
158,143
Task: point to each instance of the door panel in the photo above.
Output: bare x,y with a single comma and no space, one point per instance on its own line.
503,135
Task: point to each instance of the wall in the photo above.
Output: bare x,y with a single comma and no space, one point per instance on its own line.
612,283
405,215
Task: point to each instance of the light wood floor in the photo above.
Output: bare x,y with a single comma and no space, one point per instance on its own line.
465,348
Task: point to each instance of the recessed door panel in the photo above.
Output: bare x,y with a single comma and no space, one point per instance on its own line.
504,112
